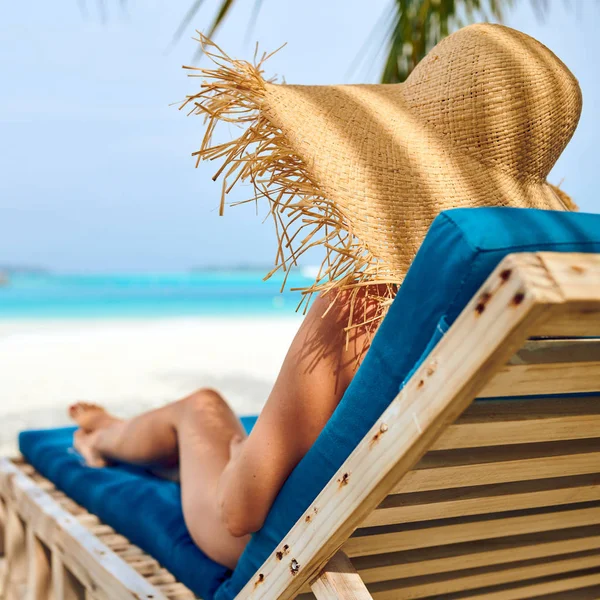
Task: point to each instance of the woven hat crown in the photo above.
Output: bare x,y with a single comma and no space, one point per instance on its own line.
499,95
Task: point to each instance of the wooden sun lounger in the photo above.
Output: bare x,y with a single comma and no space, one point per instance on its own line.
497,499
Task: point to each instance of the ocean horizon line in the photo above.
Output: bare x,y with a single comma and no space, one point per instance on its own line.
203,293
233,268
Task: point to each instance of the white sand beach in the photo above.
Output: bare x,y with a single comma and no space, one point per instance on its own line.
132,365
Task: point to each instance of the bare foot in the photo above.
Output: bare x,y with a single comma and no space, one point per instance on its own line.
91,417
84,443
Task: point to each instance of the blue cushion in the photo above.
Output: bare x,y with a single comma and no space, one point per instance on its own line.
462,248
145,509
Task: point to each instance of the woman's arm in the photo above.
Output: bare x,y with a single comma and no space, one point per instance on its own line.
315,374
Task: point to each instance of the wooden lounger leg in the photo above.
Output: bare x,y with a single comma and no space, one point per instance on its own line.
39,573
2,545
15,576
65,585
2,528
339,579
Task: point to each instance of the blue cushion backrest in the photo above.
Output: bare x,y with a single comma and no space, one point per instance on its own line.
462,248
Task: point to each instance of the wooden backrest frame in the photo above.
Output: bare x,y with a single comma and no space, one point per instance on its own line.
528,295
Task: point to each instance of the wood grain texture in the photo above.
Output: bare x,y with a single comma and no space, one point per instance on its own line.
410,508
548,367
541,588
15,571
538,379
65,585
80,560
465,580
558,351
2,528
526,469
466,529
39,569
520,421
577,276
339,579
481,553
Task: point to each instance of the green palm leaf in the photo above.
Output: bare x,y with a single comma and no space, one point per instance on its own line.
406,32
222,12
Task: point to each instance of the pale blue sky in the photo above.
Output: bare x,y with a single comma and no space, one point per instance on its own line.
95,166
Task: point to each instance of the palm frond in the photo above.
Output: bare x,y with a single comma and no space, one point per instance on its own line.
253,18
369,54
418,25
406,32
223,10
221,14
187,19
217,21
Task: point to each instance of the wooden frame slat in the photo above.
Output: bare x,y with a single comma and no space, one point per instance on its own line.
466,529
587,593
481,553
516,303
538,379
485,499
535,589
557,351
472,435
435,585
548,367
527,469
526,409
497,454
500,465
519,421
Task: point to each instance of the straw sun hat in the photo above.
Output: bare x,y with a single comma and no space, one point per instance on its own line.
364,169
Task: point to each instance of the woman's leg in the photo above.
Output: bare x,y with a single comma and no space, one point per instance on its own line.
148,439
207,426
195,432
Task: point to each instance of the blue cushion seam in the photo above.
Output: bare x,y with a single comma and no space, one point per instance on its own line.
464,236
450,308
477,252
474,246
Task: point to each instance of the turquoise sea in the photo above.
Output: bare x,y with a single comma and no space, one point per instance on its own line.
221,293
